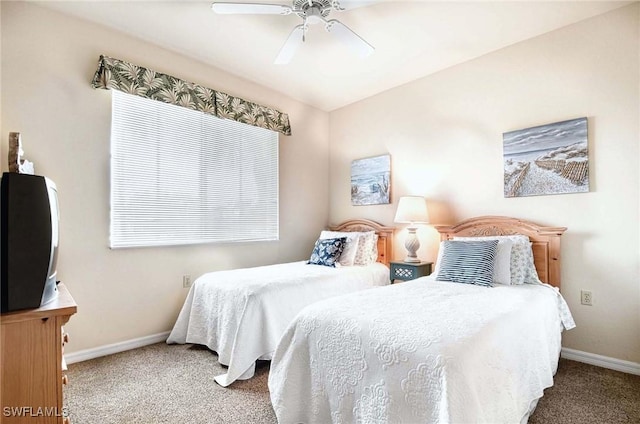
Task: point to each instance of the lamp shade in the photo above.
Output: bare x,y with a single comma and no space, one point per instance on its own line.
411,210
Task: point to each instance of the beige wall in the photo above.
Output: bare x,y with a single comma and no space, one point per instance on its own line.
48,61
444,134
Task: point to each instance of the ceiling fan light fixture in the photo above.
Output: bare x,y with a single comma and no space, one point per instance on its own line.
313,16
311,12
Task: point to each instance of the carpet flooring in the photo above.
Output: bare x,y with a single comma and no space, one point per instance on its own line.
174,384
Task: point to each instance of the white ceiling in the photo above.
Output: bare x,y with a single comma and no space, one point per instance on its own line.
412,39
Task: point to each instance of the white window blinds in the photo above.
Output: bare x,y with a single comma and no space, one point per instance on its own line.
179,176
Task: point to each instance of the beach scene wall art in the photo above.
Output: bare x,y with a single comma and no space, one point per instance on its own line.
370,180
548,159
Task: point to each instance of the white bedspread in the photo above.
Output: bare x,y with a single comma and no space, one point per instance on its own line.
241,314
420,352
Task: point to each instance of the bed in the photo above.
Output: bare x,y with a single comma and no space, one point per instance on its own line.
429,350
241,314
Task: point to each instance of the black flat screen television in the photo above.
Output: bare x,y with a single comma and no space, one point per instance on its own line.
29,239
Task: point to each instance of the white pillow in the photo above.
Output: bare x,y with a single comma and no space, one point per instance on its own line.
348,254
367,248
521,255
374,251
532,273
502,265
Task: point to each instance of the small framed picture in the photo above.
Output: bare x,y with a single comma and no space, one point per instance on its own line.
371,181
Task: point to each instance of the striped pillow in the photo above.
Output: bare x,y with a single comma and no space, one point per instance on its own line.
520,252
469,262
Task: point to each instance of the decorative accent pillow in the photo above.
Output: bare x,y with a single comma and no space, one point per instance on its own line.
532,274
326,252
468,262
366,243
351,247
374,251
502,267
520,252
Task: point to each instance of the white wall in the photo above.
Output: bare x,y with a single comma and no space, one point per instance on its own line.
48,61
444,134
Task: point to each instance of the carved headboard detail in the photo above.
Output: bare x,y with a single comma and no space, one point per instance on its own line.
545,240
490,231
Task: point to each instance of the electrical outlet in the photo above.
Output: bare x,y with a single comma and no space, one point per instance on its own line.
186,281
586,298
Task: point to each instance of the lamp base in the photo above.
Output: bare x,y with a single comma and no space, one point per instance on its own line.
412,244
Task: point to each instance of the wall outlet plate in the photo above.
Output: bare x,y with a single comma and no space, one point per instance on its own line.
186,281
586,298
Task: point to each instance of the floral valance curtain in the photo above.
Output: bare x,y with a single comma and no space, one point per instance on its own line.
119,75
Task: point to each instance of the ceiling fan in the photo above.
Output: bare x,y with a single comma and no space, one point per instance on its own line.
311,12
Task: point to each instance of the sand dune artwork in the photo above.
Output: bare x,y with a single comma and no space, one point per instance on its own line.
548,159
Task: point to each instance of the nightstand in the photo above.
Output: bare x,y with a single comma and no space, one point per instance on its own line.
406,271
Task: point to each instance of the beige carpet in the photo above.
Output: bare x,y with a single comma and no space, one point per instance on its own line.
174,384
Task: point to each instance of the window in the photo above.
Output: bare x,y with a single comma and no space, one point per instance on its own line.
179,176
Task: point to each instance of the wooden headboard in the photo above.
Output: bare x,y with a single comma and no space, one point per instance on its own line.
545,240
385,235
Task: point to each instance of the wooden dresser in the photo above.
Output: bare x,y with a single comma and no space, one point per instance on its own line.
32,364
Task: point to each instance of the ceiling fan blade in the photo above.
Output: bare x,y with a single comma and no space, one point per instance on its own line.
250,9
350,38
290,46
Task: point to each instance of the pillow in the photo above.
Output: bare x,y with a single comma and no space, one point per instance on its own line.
531,272
520,252
350,249
367,242
468,262
374,251
326,252
502,267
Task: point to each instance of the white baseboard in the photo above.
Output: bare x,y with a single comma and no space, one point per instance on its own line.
601,361
96,352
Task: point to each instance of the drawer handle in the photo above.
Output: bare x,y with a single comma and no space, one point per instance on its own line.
65,338
65,379
66,420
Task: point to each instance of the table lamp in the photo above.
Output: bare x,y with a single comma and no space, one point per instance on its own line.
412,210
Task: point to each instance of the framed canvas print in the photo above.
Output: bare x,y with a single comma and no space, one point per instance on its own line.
548,159
370,181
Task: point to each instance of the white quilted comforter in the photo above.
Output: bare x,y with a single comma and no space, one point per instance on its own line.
241,314
420,352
